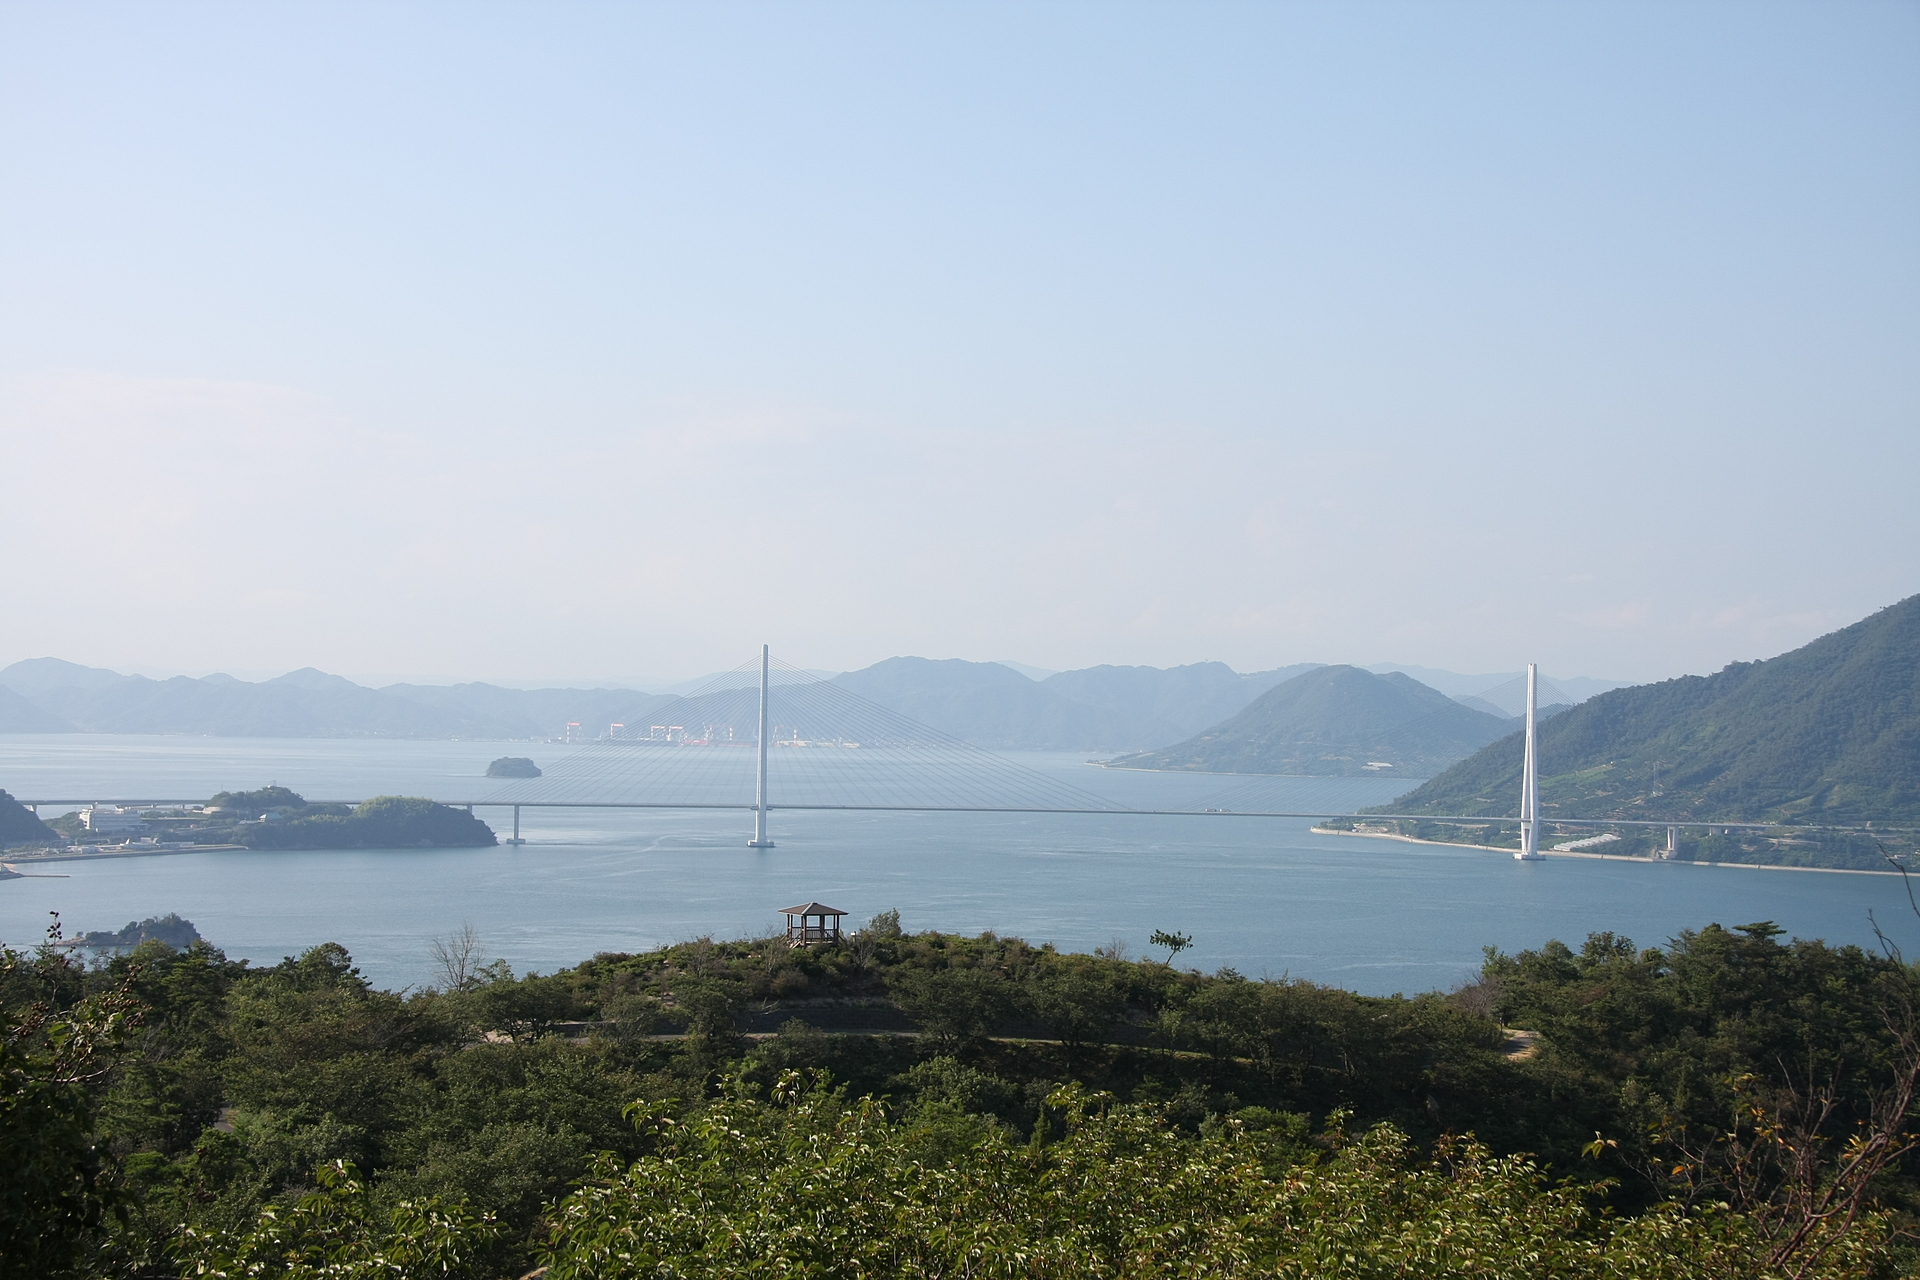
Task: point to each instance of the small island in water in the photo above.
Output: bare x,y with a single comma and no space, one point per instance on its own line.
513,767
172,929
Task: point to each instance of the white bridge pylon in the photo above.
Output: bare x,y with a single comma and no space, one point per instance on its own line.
1530,778
769,736
760,840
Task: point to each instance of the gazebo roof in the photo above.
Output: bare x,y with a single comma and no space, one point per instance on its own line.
811,909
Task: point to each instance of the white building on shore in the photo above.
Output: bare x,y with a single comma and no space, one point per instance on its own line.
109,820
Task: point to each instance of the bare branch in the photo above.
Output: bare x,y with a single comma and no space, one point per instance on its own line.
458,958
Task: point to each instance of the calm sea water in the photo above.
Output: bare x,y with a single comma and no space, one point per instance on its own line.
1264,896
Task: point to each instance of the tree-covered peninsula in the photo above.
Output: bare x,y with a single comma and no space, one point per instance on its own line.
384,822
1730,1104
275,817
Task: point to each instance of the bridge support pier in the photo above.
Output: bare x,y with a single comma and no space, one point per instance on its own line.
515,837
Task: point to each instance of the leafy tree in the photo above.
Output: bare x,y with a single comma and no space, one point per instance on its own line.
1175,943
525,1009
337,1233
55,1044
709,1003
1077,1001
956,1005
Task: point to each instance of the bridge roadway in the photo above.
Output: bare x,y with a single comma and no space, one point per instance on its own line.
470,805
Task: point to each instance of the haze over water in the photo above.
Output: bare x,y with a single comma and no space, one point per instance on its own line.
1264,896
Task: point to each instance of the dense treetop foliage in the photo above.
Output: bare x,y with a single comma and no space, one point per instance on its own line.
251,804
928,1104
1827,733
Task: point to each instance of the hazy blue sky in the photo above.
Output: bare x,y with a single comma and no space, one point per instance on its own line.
564,340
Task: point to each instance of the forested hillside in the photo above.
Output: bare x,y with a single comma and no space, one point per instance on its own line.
19,826
926,1101
1335,722
1829,732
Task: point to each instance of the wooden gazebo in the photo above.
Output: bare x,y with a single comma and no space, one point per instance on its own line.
819,924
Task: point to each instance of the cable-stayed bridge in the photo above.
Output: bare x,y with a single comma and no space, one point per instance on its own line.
824,748
768,736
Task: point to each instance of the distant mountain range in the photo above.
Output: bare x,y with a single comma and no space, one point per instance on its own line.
1503,693
18,715
47,695
1829,732
987,703
1336,722
1100,709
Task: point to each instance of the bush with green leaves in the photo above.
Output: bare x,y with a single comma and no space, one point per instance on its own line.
338,1233
811,1183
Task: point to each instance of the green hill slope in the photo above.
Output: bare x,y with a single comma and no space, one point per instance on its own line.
18,826
1827,733
1335,722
